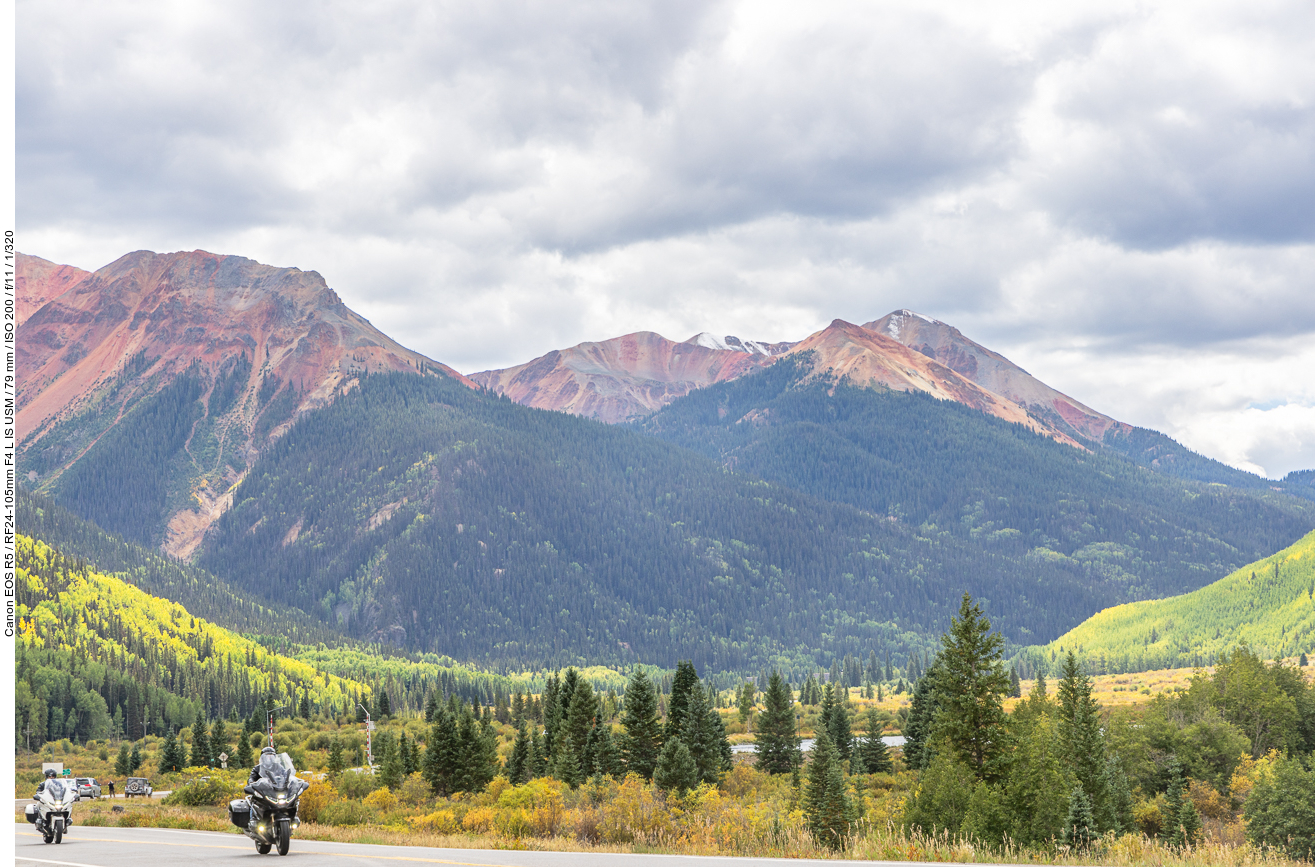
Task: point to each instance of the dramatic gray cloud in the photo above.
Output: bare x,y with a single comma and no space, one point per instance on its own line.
1119,196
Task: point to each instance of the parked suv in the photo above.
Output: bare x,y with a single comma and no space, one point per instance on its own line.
87,787
136,786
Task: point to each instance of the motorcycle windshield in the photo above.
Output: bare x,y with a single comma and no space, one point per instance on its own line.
277,775
55,789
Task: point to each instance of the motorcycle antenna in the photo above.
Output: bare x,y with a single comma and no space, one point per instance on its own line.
369,740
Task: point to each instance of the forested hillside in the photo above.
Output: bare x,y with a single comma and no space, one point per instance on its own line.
1268,605
97,656
955,473
423,514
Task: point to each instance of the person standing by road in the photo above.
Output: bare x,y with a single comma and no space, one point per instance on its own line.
111,785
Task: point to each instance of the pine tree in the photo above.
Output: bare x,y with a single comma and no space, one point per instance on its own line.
641,741
169,755
778,741
1187,828
384,708
745,703
827,807
392,770
837,725
684,681
607,757
701,736
518,763
200,757
1174,799
970,687
923,708
1080,731
1015,685
538,756
218,741
581,712
440,764
304,710
123,761
676,771
1079,827
873,752
243,758
431,707
336,762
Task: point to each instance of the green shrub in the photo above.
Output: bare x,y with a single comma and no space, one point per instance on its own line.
1280,810
213,792
345,813
354,784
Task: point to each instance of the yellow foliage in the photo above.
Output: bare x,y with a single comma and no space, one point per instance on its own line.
638,811
479,819
438,822
381,799
415,791
1249,772
316,798
1209,803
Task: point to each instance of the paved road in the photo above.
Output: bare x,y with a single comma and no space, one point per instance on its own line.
133,847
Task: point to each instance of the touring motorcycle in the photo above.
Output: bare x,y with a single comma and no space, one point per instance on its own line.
52,814
268,814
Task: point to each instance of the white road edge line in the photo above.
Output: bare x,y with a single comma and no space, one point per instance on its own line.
21,858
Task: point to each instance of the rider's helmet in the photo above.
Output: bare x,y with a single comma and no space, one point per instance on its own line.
50,774
267,751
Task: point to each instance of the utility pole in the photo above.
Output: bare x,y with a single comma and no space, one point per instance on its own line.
369,740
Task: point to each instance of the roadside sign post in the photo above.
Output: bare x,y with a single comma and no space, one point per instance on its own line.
223,761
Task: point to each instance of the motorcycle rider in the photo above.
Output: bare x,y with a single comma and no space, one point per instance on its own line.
255,772
50,775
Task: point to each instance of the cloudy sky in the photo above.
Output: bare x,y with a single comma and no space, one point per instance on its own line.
1120,196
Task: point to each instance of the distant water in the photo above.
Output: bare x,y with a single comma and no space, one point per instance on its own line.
807,744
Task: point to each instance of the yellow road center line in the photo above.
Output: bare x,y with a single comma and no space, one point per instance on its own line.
214,846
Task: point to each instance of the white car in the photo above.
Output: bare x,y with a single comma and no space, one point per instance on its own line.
87,787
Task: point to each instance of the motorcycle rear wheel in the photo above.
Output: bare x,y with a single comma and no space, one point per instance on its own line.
262,848
284,836
49,837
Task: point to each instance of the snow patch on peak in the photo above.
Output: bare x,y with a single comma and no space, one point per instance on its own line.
897,318
730,343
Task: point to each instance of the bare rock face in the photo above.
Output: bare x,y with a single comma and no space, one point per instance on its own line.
619,379
1058,413
38,281
868,358
92,345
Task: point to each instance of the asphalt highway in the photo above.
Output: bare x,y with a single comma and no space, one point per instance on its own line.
134,847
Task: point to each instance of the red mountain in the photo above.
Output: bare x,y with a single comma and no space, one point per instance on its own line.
992,371
92,345
627,376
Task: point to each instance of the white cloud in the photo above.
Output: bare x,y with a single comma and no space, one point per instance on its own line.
1096,189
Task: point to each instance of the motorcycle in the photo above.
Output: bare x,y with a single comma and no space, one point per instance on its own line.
52,813
268,815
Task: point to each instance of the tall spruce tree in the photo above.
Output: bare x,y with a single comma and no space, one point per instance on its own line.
200,757
518,763
641,741
873,752
971,685
701,736
827,807
1080,730
170,758
778,740
1080,826
676,771
123,761
683,682
922,711
337,763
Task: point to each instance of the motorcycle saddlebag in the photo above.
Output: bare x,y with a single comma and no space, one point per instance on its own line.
30,813
239,813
